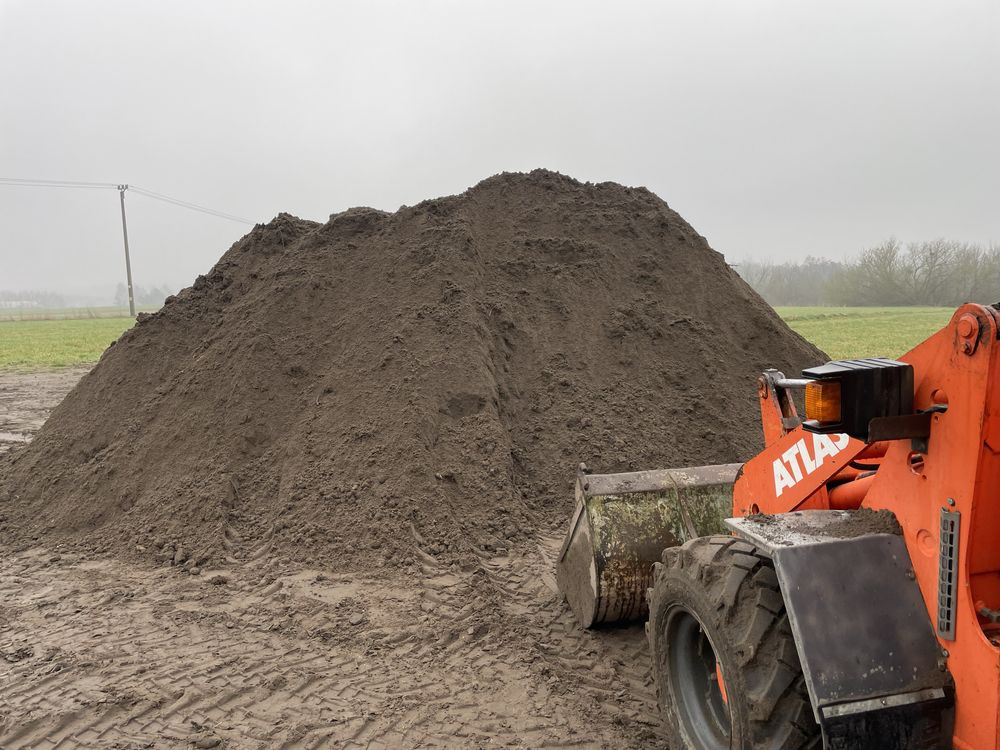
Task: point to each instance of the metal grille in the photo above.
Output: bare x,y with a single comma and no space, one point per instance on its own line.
947,574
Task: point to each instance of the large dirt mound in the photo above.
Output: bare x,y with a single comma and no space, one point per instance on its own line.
355,392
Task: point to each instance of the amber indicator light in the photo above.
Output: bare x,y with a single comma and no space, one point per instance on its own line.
823,401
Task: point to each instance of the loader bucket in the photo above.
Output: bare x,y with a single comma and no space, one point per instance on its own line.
622,524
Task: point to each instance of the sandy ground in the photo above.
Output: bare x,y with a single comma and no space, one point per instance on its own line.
27,398
98,653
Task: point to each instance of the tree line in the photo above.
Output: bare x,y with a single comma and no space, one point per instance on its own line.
30,298
938,272
151,297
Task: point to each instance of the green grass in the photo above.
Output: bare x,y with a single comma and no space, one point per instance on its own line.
853,332
39,344
842,332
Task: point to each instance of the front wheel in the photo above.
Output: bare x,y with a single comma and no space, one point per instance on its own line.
727,673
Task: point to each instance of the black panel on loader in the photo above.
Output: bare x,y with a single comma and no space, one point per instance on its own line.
873,667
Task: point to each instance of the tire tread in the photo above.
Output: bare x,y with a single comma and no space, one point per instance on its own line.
743,586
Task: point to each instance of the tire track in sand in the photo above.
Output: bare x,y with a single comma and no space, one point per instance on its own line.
98,653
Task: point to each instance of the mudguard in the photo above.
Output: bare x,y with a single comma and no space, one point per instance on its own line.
875,673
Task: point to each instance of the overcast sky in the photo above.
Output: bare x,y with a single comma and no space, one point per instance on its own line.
778,129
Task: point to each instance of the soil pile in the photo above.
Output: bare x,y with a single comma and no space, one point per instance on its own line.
360,392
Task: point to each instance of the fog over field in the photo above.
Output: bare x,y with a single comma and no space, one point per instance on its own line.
778,129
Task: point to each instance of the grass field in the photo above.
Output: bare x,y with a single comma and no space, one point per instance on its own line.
842,332
35,344
853,332
17,314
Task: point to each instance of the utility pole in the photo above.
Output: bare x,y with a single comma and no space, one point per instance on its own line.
128,262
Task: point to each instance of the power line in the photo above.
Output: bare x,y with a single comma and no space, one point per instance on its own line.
54,183
188,204
121,188
31,182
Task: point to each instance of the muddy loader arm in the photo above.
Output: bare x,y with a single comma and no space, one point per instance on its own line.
798,470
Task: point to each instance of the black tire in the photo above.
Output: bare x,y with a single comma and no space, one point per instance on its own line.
715,601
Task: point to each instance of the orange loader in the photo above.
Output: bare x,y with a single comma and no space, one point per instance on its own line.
852,597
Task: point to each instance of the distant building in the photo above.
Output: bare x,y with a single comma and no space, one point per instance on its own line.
18,304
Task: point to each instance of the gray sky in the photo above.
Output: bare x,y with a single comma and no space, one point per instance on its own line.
778,129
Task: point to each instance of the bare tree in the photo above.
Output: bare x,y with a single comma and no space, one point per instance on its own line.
937,272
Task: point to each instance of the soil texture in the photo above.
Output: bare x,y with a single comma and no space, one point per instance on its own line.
316,500
388,389
258,654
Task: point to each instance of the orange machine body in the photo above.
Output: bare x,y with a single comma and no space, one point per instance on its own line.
957,378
